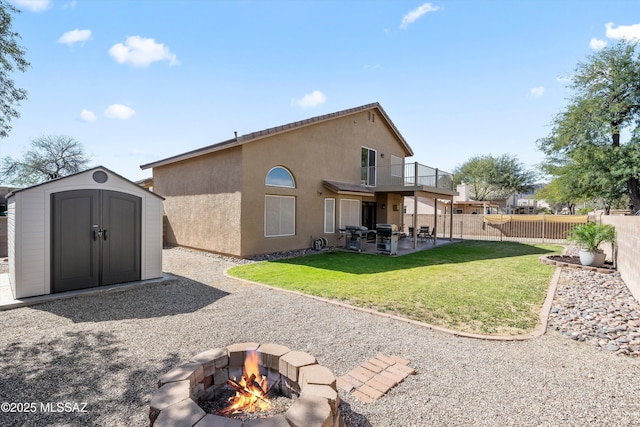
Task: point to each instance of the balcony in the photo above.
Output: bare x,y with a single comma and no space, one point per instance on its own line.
408,177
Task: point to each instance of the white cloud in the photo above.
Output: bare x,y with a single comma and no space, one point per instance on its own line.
312,99
141,52
87,116
33,5
371,66
413,16
626,32
75,36
71,5
537,92
119,111
597,44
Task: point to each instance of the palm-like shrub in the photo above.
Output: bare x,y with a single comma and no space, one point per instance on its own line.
589,236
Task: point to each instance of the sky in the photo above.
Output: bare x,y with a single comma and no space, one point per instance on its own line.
139,81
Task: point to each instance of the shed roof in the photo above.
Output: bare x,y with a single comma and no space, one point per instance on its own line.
281,129
82,172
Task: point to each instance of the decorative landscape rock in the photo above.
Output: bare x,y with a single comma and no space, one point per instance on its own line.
175,403
598,309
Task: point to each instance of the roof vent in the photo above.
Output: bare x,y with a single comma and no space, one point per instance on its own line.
100,177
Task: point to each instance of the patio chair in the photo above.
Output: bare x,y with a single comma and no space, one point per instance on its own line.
423,233
432,235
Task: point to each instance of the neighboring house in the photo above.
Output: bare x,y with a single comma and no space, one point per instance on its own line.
280,188
461,205
473,207
526,203
146,183
522,203
4,190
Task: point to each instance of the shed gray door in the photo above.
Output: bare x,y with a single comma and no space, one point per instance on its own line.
95,239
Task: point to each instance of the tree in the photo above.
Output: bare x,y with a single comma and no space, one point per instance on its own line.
560,193
494,178
50,157
11,59
606,102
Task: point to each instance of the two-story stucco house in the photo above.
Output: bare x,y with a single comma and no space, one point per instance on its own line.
280,188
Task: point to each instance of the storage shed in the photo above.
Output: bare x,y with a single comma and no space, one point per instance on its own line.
93,228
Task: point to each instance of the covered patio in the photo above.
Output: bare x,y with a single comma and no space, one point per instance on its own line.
406,245
420,182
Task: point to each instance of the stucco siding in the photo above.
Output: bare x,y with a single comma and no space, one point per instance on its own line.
628,248
206,221
392,213
202,201
326,151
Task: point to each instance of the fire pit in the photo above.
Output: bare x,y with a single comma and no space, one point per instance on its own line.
251,370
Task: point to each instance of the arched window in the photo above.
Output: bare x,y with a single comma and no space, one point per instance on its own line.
280,177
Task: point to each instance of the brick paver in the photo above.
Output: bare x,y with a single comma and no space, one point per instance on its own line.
375,377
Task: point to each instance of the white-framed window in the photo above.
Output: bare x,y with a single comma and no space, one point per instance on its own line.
280,177
349,212
396,166
279,216
368,163
329,215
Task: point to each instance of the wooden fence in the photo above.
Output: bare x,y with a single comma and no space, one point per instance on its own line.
520,228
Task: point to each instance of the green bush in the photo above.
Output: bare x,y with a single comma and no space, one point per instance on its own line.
589,236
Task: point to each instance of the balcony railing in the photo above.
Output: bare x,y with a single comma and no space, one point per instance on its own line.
409,174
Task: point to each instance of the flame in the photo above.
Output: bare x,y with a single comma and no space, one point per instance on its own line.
251,390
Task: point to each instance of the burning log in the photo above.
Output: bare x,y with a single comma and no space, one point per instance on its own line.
255,391
251,395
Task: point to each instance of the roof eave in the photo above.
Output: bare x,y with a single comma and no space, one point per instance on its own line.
193,153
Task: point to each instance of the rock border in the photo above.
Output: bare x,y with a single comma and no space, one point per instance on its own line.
545,260
175,402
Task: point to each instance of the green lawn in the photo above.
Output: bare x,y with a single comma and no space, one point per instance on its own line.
472,286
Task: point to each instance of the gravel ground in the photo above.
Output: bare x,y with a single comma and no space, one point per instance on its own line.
109,350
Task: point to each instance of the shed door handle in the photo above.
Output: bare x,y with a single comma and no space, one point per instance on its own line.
104,234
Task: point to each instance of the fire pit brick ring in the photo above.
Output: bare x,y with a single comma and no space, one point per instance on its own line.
176,401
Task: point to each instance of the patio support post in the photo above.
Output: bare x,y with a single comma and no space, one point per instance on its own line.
415,219
435,221
451,220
